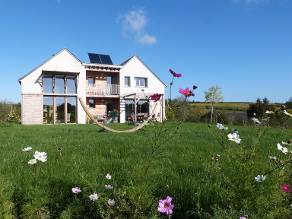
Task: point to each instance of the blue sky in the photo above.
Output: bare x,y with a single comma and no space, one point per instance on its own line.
244,46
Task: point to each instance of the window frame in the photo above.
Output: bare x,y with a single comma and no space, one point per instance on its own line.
129,84
90,106
145,82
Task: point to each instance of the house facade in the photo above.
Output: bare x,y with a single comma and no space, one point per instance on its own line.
113,93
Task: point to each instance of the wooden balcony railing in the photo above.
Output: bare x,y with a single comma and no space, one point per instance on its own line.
109,89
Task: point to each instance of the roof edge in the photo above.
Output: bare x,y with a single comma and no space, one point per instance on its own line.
47,60
129,59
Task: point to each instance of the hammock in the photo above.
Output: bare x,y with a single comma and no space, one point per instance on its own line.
114,130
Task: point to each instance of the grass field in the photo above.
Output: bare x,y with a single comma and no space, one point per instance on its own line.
183,165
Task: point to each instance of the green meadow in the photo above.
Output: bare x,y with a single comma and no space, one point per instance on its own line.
206,175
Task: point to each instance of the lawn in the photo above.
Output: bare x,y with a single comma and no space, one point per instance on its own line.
207,175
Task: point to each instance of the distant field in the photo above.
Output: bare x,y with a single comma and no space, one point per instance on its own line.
235,106
182,167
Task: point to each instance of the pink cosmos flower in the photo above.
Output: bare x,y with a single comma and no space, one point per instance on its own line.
174,74
165,206
186,92
155,97
76,190
286,188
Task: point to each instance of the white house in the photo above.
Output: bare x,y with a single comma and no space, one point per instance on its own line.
112,93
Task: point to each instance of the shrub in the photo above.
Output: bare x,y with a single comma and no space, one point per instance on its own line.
259,108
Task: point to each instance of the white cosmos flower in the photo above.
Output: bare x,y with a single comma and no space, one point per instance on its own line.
109,187
284,150
272,157
286,113
41,156
260,178
221,126
27,149
269,112
94,197
234,137
108,176
256,120
285,143
32,161
111,202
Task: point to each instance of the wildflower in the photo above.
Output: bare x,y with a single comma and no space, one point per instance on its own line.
269,112
284,150
76,190
32,161
111,202
286,188
186,92
108,176
27,149
165,206
286,113
221,126
260,178
256,120
41,156
108,187
174,74
155,97
285,143
234,137
94,197
243,217
272,157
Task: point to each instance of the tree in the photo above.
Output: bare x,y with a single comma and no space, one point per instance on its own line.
289,103
213,95
259,108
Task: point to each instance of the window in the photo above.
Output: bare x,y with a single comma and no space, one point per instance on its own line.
60,109
48,84
90,81
48,110
59,85
109,80
127,81
71,109
91,103
71,85
141,82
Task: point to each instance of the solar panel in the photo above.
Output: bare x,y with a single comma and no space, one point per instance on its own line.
100,59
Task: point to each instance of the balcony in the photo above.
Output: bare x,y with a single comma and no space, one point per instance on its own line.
107,90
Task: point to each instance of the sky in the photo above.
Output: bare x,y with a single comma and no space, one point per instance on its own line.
243,46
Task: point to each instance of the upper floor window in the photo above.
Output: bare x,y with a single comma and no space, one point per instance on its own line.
71,85
90,81
59,84
141,82
48,84
127,81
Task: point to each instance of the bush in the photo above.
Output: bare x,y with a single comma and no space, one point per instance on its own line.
259,108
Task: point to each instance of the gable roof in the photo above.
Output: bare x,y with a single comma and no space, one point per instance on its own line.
126,61
47,60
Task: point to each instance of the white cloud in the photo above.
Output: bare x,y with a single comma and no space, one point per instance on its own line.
134,27
147,39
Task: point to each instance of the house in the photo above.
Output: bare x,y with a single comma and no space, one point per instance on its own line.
112,93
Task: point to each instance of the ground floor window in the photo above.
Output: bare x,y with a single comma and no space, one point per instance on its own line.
59,109
142,110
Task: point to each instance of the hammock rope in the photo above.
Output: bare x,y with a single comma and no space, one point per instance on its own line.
114,130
